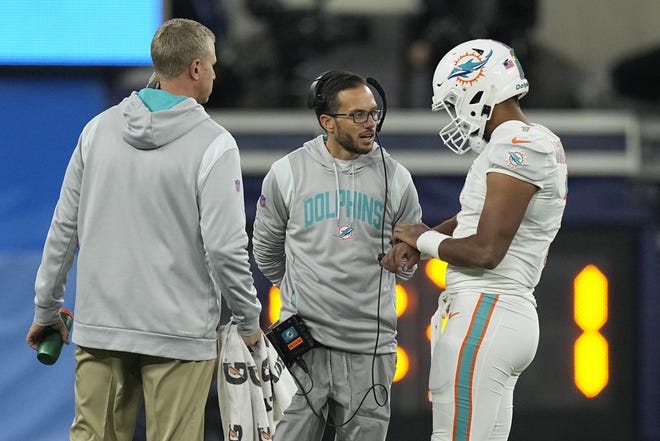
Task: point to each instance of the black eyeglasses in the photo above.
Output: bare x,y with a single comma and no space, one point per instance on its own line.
361,116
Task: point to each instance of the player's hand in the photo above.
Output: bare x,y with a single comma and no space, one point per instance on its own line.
401,257
37,333
409,233
252,339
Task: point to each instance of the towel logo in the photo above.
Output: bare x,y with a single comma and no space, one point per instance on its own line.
264,434
235,373
238,373
268,375
235,432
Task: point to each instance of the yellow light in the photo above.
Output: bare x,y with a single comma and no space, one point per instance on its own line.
428,332
590,301
402,364
401,300
590,312
436,270
591,363
274,304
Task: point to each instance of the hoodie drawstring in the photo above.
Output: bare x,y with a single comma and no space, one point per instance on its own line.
338,209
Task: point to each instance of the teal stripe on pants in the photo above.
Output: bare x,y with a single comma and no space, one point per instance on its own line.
467,360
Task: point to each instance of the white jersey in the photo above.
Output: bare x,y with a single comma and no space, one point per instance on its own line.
533,154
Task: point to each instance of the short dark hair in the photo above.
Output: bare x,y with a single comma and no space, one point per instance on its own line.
327,88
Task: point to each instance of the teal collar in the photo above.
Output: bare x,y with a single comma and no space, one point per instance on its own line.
157,99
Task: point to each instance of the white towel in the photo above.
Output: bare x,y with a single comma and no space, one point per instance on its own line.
254,388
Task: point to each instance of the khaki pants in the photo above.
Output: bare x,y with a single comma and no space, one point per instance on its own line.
110,387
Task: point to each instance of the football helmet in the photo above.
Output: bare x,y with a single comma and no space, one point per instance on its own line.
468,82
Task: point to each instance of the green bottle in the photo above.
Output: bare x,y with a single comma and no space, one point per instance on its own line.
50,348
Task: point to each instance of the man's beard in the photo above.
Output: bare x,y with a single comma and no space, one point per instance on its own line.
349,144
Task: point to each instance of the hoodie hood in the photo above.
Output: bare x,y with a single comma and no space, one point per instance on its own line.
319,152
147,130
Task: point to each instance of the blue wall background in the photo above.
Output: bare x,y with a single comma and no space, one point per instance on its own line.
41,121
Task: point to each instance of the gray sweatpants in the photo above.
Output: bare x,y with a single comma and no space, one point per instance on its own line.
338,384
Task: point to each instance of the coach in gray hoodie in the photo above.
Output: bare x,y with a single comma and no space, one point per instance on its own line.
152,201
327,211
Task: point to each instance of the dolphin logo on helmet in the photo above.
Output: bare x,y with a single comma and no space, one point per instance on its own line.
473,65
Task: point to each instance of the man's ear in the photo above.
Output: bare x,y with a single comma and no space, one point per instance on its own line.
193,69
327,122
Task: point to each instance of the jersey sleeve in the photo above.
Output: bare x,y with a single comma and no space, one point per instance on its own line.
530,161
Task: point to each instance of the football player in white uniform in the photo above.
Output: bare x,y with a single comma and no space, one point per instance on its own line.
512,204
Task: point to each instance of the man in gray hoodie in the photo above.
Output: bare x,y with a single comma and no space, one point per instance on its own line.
327,211
152,201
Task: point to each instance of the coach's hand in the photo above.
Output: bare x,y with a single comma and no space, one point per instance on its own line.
252,339
401,257
37,333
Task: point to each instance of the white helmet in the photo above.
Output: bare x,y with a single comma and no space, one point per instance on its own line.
468,82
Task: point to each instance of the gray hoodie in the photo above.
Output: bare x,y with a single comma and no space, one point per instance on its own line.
317,235
153,201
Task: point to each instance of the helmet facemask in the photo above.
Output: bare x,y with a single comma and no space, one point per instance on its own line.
462,134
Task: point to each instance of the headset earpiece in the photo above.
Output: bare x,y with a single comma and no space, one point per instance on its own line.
315,96
376,85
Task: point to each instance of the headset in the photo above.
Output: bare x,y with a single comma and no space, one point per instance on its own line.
316,99
154,82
